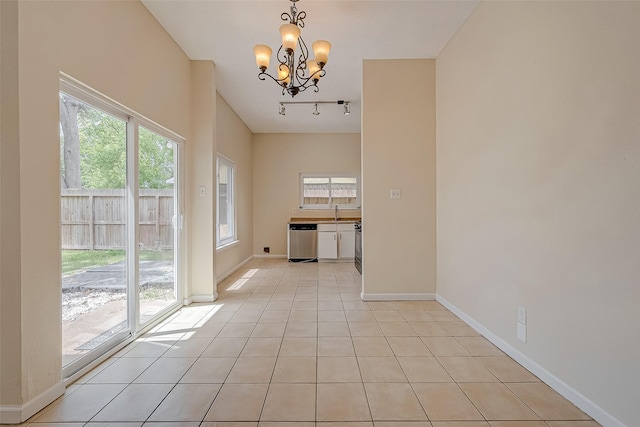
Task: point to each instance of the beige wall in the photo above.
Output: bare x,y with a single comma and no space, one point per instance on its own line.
538,148
398,152
10,307
121,51
278,160
234,141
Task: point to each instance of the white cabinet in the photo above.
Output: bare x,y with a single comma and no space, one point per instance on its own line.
346,241
336,241
327,244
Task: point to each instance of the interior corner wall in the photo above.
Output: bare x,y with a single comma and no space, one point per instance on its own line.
398,152
120,50
278,160
234,141
538,118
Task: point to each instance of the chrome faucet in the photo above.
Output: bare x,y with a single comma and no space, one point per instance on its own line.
336,213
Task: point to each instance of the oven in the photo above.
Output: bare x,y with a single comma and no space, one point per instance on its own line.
358,250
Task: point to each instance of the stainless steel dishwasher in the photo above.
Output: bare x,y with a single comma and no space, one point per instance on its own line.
303,242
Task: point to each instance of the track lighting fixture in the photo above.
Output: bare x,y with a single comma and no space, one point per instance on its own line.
345,105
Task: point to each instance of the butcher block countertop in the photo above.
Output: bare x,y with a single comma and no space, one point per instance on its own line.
324,220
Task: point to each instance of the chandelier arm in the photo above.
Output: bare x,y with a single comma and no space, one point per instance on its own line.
300,18
286,17
263,76
302,59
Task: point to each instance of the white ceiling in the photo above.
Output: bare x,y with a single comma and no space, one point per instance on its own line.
225,31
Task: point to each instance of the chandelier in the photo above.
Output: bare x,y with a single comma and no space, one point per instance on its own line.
295,74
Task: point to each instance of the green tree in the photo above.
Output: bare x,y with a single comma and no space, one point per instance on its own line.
103,149
93,150
155,160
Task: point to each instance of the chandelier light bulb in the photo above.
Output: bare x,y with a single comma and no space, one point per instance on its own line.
290,34
283,74
263,56
321,50
314,70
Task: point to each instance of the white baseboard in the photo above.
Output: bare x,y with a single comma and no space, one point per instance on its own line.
16,414
572,395
269,256
202,298
398,297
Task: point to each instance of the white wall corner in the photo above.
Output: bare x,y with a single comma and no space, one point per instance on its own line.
16,414
572,395
398,297
233,270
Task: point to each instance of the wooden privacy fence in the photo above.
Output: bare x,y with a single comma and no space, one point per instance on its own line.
96,219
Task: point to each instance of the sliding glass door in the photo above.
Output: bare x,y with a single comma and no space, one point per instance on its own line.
158,223
120,222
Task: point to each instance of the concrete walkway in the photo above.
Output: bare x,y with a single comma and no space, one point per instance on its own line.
112,277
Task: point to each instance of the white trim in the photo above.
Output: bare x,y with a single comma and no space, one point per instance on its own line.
15,414
233,270
203,298
269,256
398,297
572,395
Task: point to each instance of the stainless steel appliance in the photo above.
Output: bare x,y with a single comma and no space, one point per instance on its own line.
303,242
358,250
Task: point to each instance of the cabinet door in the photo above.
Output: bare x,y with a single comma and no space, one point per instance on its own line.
347,244
327,245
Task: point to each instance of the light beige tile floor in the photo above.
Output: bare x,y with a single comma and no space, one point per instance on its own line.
292,344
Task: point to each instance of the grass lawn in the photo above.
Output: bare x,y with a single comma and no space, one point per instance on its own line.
73,260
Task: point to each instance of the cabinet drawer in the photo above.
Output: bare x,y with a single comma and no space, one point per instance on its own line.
326,227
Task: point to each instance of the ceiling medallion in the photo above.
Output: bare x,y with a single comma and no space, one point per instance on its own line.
294,77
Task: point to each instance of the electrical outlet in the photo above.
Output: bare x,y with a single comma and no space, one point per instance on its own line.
521,332
522,315
394,193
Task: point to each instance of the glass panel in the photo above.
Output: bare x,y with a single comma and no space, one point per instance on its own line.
157,223
93,222
226,229
315,191
344,191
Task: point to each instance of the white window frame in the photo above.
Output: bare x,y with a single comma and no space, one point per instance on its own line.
330,205
76,89
231,202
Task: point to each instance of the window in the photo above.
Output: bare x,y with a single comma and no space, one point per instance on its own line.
225,219
327,191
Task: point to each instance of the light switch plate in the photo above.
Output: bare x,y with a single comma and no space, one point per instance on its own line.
522,332
522,315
